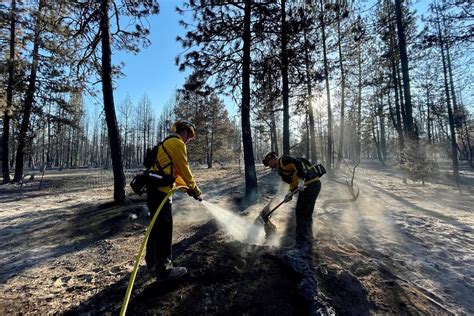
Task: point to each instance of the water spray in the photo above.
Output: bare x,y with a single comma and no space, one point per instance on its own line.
239,228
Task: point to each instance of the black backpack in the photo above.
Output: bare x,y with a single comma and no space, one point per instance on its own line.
317,170
149,180
150,156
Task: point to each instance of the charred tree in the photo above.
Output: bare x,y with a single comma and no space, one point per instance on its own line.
311,127
109,107
29,96
330,151
343,87
451,119
284,76
405,72
249,160
9,105
359,103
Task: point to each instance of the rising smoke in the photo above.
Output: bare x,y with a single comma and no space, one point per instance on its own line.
239,228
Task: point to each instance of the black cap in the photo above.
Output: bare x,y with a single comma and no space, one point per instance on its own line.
268,156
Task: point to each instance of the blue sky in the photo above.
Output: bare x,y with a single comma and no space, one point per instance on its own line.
153,70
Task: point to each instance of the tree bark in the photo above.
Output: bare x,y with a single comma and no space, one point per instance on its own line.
48,150
383,142
452,129
401,98
11,82
312,134
428,114
451,83
375,136
398,105
249,160
405,72
328,93
284,75
343,87
456,110
211,149
109,107
274,132
29,97
359,105
307,137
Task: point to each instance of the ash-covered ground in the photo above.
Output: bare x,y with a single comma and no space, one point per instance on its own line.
400,248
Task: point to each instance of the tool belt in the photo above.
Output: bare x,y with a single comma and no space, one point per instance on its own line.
157,179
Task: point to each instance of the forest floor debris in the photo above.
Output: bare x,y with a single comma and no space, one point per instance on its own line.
398,249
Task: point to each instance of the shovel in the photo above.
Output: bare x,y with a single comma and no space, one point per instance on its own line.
264,218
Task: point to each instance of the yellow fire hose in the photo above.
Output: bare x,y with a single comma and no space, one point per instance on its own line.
142,247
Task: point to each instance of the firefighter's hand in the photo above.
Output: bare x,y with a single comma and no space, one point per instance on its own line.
195,192
288,197
301,185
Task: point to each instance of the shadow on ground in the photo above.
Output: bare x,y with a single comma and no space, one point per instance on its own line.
75,228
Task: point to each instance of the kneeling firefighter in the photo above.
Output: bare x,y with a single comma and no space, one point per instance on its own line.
169,166
301,176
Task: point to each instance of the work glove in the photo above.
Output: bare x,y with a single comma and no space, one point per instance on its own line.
288,197
195,192
301,185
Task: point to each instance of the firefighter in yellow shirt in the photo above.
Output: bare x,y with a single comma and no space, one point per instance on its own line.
301,175
170,167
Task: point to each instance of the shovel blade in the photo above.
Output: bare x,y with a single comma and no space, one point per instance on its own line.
269,228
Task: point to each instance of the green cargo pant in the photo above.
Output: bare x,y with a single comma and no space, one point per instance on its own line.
158,249
304,212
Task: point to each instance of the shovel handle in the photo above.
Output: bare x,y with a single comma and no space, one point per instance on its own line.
267,216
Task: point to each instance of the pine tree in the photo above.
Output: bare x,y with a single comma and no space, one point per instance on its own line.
30,93
93,28
213,126
8,109
402,45
224,34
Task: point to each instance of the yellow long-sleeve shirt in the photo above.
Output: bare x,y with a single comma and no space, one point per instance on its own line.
176,149
292,169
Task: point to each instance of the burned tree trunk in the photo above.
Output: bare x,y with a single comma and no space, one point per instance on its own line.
312,134
249,160
284,76
109,107
11,81
29,97
330,150
359,105
405,72
452,129
343,87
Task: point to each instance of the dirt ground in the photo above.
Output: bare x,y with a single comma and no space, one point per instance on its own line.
399,249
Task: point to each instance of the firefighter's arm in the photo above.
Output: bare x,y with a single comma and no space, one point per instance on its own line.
294,182
293,187
180,162
290,164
